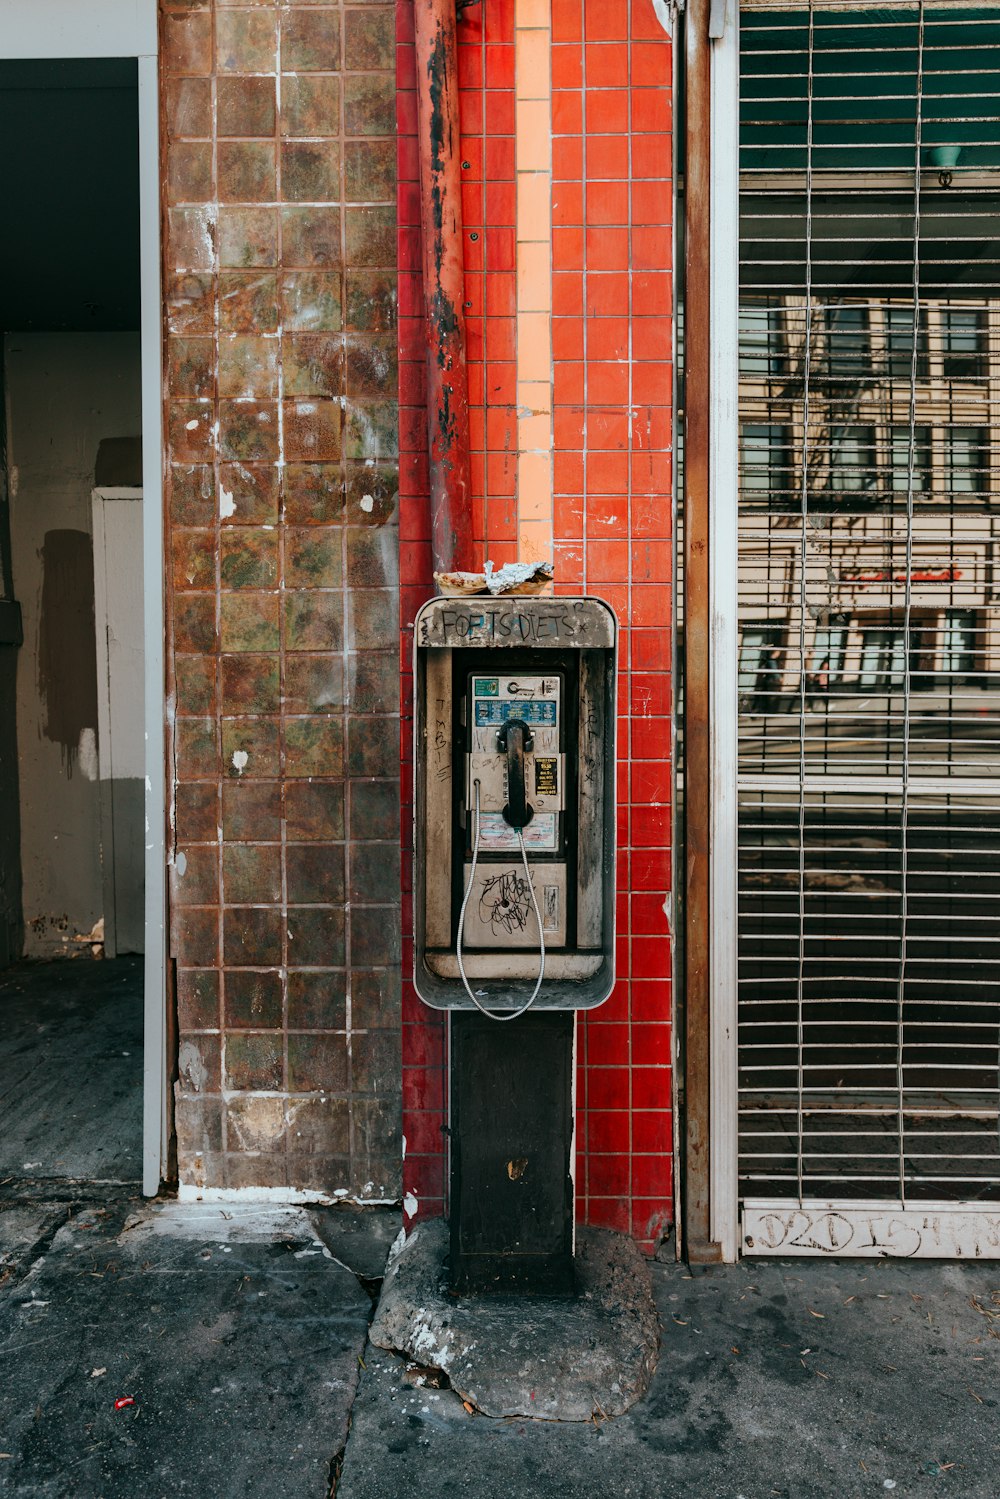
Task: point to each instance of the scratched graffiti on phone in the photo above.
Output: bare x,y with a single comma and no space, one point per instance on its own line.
505,902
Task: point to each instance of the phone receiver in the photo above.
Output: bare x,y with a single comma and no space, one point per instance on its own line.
516,737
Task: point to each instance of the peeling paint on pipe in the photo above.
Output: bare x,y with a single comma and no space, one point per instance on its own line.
443,282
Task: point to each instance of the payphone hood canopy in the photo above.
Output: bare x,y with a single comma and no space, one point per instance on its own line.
538,623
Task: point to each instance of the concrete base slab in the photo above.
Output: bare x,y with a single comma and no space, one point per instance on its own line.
546,1357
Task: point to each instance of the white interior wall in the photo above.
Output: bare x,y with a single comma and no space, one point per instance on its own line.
65,393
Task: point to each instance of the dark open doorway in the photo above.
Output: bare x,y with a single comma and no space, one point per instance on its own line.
71,622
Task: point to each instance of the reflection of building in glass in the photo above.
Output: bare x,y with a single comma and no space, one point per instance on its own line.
896,427
869,520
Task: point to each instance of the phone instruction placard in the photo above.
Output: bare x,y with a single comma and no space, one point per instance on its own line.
546,775
489,711
497,836
494,700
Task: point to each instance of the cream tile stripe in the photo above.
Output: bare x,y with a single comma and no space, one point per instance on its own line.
533,168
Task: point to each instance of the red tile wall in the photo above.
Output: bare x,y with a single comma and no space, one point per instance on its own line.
486,82
612,376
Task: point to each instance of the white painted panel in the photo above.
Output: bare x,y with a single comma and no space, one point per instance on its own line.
868,1230
155,1118
118,601
77,28
118,587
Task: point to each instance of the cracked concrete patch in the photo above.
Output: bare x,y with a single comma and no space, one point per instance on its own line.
239,1223
563,1359
360,1238
24,1228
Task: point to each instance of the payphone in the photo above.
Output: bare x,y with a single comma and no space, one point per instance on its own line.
513,906
514,803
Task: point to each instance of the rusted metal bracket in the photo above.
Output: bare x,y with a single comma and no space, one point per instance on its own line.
443,267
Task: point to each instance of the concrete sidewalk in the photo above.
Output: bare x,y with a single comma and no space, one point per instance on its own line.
800,1380
71,1064
235,1334
240,1334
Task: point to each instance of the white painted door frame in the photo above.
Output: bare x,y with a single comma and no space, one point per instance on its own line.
44,29
723,503
784,1227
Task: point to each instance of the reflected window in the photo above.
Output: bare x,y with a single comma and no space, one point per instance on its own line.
966,460
852,459
958,645
847,350
963,342
829,645
899,343
759,665
902,460
883,649
761,340
764,465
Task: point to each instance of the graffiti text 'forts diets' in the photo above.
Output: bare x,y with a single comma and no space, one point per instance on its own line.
509,626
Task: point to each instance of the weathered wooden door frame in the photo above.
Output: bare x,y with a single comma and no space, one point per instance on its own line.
711,202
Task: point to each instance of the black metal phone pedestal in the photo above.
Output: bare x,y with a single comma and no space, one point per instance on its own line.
511,1216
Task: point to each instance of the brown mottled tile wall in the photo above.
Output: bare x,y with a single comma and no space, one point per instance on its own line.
281,419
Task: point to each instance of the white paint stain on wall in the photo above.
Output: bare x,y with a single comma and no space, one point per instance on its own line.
87,754
191,1067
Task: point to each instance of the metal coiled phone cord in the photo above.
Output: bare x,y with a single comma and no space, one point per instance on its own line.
491,1014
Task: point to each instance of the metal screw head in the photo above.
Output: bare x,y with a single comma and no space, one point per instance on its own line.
473,236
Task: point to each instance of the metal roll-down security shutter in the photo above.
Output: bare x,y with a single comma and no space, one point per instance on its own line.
869,614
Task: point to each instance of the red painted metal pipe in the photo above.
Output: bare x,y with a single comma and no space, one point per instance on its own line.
439,144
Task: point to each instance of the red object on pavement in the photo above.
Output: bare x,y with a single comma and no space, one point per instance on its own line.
123,1401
